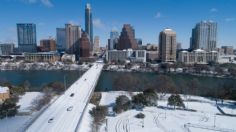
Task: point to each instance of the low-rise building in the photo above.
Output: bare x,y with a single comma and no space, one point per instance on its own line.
4,93
123,55
152,55
48,45
68,58
227,59
198,57
228,50
6,49
42,57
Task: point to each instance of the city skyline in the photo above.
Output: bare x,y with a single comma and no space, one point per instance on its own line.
180,15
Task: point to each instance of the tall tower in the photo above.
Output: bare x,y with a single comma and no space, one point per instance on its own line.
113,41
26,33
167,45
204,36
127,38
84,45
96,44
89,24
73,34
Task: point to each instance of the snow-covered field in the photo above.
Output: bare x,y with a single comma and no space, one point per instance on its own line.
14,124
164,120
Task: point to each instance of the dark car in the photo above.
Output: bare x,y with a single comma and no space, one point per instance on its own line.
50,120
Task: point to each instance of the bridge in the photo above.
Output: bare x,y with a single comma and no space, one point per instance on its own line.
66,113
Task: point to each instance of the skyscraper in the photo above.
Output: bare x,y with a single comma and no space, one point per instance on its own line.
204,36
73,34
96,44
112,42
127,38
167,45
26,33
89,24
84,45
61,39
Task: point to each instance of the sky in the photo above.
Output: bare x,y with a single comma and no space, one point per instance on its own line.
148,17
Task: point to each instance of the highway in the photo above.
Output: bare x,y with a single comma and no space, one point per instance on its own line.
65,114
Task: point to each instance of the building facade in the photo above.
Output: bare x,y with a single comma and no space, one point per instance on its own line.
73,34
61,39
48,45
124,55
6,49
42,57
96,45
26,33
198,57
89,24
204,36
127,38
167,45
113,41
84,45
4,93
228,50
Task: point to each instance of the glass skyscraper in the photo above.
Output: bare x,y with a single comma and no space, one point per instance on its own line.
89,24
26,33
204,36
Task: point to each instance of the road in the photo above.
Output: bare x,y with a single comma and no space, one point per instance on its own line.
67,111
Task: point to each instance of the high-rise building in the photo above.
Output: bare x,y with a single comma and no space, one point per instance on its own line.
204,36
96,44
47,45
61,39
113,41
167,45
89,24
127,38
73,34
179,46
26,33
6,49
84,45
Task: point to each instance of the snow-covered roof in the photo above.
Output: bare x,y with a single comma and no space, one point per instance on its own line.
199,50
4,89
184,51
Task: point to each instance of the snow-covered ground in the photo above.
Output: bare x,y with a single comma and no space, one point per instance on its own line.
163,120
14,124
26,100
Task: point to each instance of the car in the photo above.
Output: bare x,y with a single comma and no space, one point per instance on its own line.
71,95
50,120
85,79
69,108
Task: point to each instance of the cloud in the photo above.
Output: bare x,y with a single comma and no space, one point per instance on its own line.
230,19
158,15
98,23
46,3
213,10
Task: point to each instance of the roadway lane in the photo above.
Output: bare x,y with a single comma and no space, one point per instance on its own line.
63,120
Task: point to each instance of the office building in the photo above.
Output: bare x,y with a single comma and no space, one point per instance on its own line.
73,34
167,45
42,57
84,45
198,56
228,50
89,24
26,33
126,55
179,46
204,36
47,45
113,41
127,38
6,49
61,39
96,45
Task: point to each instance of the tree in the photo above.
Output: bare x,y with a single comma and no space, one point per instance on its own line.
175,100
98,113
150,97
122,104
138,100
165,84
193,86
8,108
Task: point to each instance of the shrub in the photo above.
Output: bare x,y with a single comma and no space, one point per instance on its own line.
175,100
123,103
140,116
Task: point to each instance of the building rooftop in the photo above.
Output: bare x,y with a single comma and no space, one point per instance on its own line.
199,50
4,89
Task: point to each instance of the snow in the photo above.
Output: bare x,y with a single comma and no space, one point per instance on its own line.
26,100
165,120
87,120
109,98
4,89
69,120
